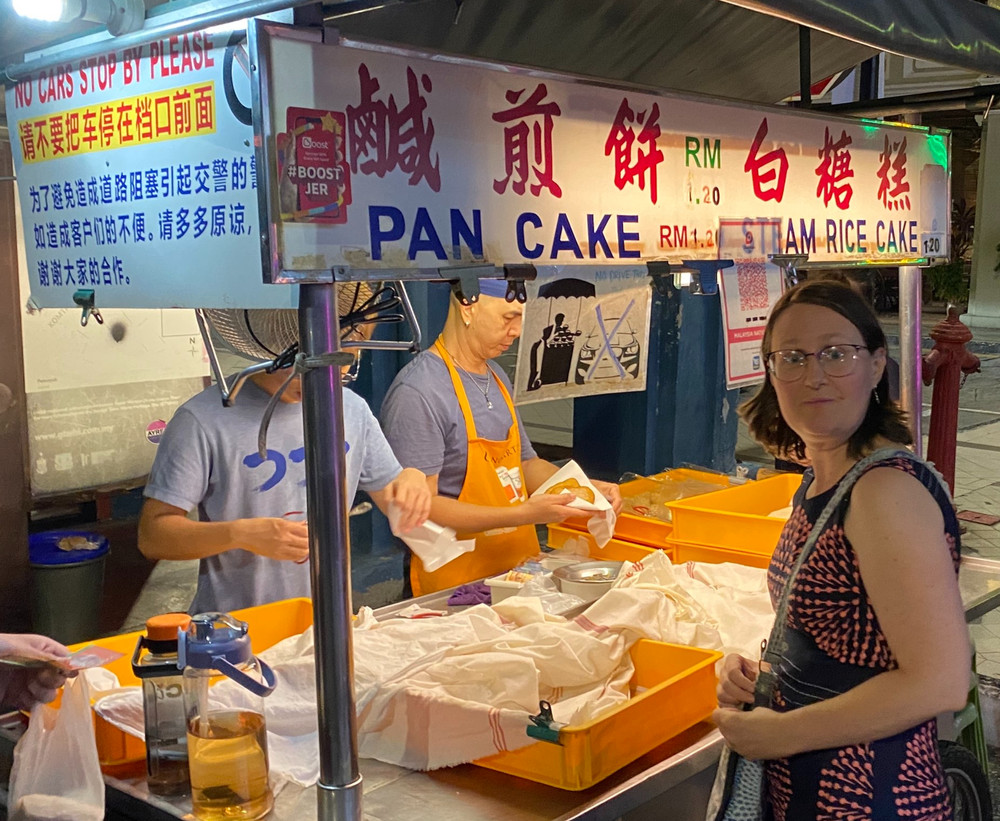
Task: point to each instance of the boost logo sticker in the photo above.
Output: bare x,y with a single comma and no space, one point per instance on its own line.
314,183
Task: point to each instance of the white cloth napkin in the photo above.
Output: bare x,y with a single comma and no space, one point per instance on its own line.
434,544
571,477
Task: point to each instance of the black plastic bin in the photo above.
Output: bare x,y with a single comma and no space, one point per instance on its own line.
67,585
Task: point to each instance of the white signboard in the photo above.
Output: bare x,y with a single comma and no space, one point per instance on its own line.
137,178
379,158
749,290
585,332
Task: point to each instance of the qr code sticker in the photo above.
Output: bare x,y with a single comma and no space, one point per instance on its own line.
751,279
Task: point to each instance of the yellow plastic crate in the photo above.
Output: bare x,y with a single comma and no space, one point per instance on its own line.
648,530
615,550
120,753
736,518
673,689
689,552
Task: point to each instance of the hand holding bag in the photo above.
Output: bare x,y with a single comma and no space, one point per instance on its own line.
56,774
739,791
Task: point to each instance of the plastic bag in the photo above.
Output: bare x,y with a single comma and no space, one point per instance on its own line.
56,774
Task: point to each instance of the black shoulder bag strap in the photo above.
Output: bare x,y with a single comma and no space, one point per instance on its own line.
776,647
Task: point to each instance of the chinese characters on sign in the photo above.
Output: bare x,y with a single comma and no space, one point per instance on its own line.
622,140
453,162
834,170
384,136
156,206
893,189
174,113
769,170
137,179
527,142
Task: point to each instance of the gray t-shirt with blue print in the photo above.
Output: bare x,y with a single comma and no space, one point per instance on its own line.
207,459
424,424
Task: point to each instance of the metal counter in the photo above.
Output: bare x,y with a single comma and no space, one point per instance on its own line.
979,584
678,774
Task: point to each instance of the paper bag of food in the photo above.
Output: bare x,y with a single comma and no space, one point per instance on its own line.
570,478
434,544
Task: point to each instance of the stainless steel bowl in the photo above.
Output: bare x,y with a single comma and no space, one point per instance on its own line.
587,580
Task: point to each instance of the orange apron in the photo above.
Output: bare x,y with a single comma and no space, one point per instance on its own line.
493,477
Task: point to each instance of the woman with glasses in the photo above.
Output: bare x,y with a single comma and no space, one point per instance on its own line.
876,639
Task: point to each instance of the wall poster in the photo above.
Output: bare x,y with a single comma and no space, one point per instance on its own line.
585,332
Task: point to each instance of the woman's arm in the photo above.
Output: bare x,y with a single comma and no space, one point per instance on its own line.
897,532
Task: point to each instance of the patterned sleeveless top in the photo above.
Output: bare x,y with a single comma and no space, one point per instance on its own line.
835,643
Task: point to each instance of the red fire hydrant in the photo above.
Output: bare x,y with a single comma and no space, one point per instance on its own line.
943,366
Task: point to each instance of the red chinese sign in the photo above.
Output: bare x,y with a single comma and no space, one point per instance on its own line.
527,142
768,170
834,170
385,136
636,155
893,189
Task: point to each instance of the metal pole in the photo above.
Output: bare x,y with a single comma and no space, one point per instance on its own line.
910,362
805,68
339,789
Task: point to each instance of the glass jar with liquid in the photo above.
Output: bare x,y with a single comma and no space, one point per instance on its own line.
224,690
155,664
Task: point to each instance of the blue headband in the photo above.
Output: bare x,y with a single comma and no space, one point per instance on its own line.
493,287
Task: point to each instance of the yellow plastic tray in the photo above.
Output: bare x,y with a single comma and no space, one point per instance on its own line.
735,518
673,689
118,751
615,550
648,530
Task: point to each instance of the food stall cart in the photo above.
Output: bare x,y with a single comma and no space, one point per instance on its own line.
374,163
677,774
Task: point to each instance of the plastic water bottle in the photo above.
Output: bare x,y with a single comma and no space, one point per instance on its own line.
155,663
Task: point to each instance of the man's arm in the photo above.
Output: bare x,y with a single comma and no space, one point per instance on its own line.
465,517
411,494
165,532
537,471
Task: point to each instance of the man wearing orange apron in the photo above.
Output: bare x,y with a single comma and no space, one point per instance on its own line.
449,414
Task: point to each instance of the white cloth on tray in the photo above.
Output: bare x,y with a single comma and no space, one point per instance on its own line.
439,691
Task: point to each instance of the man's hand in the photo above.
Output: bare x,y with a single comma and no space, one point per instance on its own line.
274,538
548,508
22,688
411,495
611,492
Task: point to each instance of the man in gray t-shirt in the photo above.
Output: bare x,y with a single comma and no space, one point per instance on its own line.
423,421
252,539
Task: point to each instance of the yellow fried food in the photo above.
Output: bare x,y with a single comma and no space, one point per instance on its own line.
574,487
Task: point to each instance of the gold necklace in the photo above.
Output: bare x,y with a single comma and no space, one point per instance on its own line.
489,378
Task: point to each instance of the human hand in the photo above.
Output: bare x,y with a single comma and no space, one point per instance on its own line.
274,538
757,733
611,492
548,508
411,495
22,687
736,681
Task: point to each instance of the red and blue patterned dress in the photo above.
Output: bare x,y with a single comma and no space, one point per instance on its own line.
835,643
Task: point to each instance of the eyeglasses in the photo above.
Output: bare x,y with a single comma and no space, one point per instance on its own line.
835,360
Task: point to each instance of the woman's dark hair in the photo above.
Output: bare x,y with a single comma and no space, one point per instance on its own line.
884,417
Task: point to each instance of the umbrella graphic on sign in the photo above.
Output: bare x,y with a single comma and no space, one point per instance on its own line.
551,355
